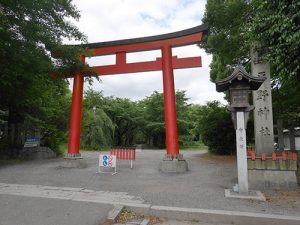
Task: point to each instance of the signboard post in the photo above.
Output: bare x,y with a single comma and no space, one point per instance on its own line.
32,142
107,161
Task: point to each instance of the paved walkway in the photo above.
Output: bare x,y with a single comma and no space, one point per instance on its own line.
43,193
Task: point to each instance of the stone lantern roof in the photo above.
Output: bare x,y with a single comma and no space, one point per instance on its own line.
239,75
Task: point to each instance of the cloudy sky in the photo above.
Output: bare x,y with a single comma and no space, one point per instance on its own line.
107,20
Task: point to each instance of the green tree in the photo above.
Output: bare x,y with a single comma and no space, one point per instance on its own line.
154,128
236,26
121,120
286,100
154,119
29,31
49,111
276,27
277,30
216,128
195,115
227,39
97,130
97,127
126,116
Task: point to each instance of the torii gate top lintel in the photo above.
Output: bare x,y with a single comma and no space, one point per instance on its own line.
120,48
184,37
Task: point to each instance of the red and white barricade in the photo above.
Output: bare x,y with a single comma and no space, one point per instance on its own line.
124,154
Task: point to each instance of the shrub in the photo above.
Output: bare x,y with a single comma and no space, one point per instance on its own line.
217,131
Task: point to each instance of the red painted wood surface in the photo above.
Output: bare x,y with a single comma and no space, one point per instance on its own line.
123,154
146,46
122,67
169,103
285,155
75,119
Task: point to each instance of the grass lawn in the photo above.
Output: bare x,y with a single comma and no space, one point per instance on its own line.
63,149
9,161
196,145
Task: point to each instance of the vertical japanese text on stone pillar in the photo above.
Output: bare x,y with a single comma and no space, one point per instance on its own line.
262,100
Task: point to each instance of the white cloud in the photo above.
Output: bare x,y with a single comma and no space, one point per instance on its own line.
108,20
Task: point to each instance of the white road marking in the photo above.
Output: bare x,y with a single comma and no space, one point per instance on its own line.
68,193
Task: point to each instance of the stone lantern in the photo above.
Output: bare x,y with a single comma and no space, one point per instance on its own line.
240,84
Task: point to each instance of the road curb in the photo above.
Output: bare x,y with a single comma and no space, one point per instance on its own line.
114,213
215,216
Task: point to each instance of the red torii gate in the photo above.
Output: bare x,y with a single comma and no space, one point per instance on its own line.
166,63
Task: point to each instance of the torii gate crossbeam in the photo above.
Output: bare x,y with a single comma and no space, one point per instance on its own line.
167,63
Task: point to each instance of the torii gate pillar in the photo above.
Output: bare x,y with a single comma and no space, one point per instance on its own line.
73,157
169,103
173,161
75,120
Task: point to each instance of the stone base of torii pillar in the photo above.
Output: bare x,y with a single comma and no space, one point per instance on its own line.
73,161
173,165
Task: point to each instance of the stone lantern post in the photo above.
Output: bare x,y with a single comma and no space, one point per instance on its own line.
240,84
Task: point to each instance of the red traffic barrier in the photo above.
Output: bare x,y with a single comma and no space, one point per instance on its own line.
274,156
283,155
253,156
263,156
124,154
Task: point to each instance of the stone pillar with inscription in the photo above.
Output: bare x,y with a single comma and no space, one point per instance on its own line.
269,172
262,100
241,152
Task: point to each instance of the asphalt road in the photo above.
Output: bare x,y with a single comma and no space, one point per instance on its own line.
202,187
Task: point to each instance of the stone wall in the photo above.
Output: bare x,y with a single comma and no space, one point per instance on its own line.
272,173
37,153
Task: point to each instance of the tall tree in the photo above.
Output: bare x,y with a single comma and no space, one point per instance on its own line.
119,119
111,121
276,27
227,39
154,128
29,30
126,116
216,128
236,26
97,127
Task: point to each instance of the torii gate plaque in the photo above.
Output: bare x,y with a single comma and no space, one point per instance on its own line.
167,63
